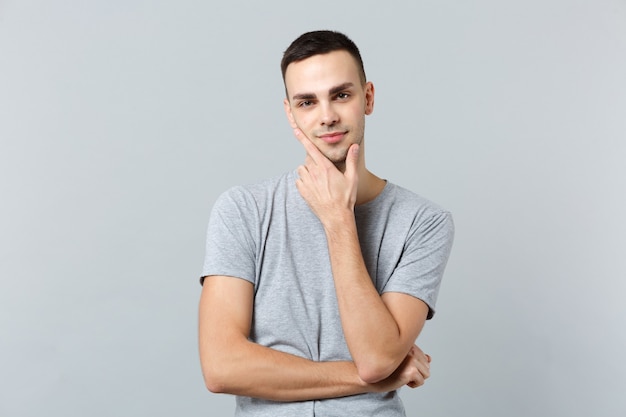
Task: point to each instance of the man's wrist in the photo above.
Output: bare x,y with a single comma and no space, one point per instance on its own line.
339,222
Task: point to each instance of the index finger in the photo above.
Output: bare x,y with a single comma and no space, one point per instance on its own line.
315,154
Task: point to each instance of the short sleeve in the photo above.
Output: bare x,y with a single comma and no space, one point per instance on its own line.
231,236
424,258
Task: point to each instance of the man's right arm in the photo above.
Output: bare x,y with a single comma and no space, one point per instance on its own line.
232,364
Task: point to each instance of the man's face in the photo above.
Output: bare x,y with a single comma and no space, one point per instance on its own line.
328,103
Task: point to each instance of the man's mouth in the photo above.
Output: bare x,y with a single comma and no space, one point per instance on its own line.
333,137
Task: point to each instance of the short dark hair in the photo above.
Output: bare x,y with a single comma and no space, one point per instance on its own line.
321,42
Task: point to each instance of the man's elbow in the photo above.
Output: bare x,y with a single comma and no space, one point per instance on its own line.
216,380
215,385
373,372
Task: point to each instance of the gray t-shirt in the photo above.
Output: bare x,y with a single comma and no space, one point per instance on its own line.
266,233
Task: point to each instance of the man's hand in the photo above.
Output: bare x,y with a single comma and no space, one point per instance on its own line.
325,188
412,372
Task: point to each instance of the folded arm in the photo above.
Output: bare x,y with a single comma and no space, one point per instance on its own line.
232,364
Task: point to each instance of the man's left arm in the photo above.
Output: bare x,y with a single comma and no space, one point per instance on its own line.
379,330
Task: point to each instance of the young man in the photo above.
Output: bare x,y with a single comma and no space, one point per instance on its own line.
317,283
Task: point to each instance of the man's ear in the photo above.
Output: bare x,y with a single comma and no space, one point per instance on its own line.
369,97
292,121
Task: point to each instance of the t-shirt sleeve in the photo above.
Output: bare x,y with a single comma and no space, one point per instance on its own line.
231,236
424,258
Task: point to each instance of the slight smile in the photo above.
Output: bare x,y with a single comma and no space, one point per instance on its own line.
333,137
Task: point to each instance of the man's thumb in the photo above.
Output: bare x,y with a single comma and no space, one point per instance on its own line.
352,160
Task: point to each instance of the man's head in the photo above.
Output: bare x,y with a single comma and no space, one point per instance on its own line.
321,42
327,95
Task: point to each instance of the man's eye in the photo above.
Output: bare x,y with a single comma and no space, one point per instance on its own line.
305,103
343,96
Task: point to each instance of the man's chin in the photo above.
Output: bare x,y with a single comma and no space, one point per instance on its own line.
339,162
337,157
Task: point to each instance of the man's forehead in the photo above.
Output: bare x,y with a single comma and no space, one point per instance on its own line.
331,91
321,72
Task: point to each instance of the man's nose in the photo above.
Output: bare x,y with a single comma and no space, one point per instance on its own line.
329,116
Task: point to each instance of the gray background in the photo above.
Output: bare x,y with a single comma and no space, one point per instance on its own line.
121,122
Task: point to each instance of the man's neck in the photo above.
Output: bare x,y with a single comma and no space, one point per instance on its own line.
370,186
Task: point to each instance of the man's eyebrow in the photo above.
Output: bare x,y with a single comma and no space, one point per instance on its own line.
340,87
332,91
303,96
